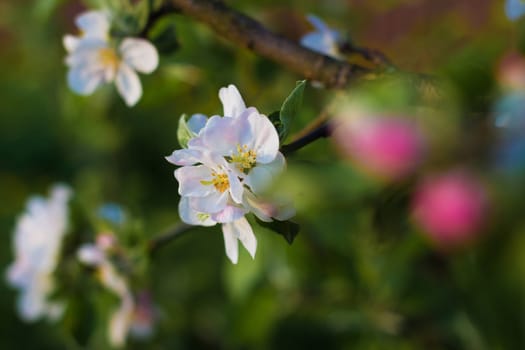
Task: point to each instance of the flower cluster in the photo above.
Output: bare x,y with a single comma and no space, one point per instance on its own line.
323,40
229,163
37,243
94,58
131,316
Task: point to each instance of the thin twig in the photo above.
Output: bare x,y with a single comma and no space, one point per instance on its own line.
168,236
247,32
320,132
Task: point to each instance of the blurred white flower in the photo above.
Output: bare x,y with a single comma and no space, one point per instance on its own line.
323,40
230,161
514,9
94,59
37,243
96,255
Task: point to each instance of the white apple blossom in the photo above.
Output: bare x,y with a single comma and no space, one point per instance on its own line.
123,319
37,243
229,162
323,40
94,59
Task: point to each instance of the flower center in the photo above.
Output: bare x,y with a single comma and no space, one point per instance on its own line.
219,181
245,158
108,57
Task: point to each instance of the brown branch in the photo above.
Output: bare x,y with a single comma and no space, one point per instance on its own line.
161,240
247,32
321,131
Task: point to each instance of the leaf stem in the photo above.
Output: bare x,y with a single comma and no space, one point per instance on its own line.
171,234
321,131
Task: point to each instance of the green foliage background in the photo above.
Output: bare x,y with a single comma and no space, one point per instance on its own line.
358,276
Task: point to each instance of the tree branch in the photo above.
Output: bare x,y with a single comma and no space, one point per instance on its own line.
161,240
321,131
245,31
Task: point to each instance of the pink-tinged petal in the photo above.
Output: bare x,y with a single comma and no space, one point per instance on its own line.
191,216
85,80
266,140
236,188
263,210
230,242
184,157
128,84
262,175
139,54
244,232
229,214
232,101
222,135
196,123
193,181
94,24
212,203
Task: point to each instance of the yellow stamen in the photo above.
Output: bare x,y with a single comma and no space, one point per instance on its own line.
108,57
245,159
220,181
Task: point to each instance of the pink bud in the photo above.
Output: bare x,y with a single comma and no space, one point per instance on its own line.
106,240
389,147
144,316
511,71
450,208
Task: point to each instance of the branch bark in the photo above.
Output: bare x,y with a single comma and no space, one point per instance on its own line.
161,240
247,32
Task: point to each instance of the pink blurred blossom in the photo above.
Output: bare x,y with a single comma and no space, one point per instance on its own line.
451,208
511,71
390,147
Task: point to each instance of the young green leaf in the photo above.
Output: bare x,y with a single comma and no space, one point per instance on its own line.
290,109
184,133
288,229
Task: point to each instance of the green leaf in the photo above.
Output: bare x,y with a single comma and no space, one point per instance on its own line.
184,134
290,109
164,36
288,229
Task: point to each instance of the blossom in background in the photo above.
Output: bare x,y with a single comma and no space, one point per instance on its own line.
450,208
514,9
226,167
323,40
386,146
129,316
37,243
94,58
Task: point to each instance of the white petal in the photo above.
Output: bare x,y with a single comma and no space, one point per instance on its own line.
266,138
85,80
263,175
263,210
317,23
232,101
139,54
128,84
94,24
191,216
222,135
197,122
184,157
213,203
70,42
230,242
120,322
90,254
245,234
236,188
191,180
229,214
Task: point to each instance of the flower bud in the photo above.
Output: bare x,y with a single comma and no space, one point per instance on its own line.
450,208
390,147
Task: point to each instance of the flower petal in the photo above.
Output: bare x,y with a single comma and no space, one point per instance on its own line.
184,157
212,203
94,24
128,84
197,122
229,214
236,187
90,254
262,176
230,242
244,232
232,101
85,80
120,322
266,139
139,54
191,216
191,180
70,42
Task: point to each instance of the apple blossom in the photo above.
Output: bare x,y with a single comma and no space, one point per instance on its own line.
450,208
514,9
37,243
129,316
323,40
94,59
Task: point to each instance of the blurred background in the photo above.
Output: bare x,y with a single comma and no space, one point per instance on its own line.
360,274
